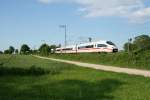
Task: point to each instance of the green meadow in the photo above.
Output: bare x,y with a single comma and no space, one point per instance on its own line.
24,77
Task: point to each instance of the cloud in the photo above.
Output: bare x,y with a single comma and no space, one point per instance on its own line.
133,10
44,1
140,16
51,1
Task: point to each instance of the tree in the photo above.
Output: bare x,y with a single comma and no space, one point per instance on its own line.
1,52
16,51
11,49
34,51
53,48
44,50
142,42
6,51
127,46
25,49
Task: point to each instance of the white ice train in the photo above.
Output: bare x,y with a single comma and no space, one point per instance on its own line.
99,46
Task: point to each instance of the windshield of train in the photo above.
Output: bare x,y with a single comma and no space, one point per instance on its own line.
110,43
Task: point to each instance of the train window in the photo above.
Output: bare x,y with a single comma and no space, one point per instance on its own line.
110,43
58,50
101,45
81,47
67,49
88,46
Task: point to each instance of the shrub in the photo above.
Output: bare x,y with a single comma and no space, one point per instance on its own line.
33,70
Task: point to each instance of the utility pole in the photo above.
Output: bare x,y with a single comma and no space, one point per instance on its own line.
90,39
65,29
129,42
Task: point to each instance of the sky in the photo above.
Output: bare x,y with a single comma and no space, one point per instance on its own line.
34,22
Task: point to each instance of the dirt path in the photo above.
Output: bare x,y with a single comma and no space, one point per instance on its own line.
145,73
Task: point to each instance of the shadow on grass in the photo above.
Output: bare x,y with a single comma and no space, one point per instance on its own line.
65,90
83,90
33,70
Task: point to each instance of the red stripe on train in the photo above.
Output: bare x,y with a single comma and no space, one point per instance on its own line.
95,49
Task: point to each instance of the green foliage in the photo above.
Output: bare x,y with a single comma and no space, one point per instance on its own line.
1,52
34,52
53,48
6,52
141,43
44,49
122,59
25,49
11,49
127,46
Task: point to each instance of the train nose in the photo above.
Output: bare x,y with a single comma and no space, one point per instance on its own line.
115,50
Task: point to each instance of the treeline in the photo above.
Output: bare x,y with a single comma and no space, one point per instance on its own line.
43,50
10,50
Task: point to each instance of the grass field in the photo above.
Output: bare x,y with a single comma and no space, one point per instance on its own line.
59,81
120,59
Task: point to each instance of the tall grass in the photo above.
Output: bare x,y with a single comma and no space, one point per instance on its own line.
121,59
71,83
27,65
33,70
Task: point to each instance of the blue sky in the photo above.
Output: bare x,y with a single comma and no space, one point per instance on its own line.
37,21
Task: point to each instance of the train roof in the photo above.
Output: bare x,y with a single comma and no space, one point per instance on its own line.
82,44
69,46
91,43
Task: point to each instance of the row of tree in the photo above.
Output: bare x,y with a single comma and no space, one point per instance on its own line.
11,50
43,50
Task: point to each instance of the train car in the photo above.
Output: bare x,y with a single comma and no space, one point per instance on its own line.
99,46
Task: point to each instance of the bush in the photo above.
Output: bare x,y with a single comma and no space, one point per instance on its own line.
33,70
7,52
25,49
141,42
136,59
44,50
1,52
